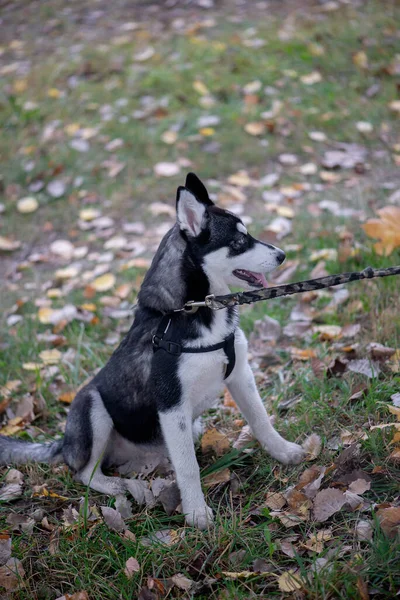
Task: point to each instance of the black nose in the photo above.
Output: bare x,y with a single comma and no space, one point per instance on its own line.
280,256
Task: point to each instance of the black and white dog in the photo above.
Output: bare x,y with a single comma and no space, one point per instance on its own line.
171,366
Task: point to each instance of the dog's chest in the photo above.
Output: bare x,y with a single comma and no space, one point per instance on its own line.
202,374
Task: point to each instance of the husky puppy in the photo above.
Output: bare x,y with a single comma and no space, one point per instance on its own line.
171,365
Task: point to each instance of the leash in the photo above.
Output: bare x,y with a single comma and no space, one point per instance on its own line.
218,302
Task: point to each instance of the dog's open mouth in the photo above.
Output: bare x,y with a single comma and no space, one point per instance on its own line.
252,278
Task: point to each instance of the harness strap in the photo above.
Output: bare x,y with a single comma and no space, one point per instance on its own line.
228,345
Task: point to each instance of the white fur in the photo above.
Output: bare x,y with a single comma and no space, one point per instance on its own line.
219,266
190,213
240,227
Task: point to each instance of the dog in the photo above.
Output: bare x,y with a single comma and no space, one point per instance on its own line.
172,364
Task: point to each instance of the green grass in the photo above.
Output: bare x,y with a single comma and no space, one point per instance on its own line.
91,556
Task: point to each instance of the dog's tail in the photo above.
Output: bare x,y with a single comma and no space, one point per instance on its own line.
19,452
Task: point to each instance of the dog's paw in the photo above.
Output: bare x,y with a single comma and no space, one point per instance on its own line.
289,454
202,518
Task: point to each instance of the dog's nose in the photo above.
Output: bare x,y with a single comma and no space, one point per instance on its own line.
280,256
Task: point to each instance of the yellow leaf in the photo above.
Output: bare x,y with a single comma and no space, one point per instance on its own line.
104,283
290,581
53,93
255,128
50,357
44,315
386,229
200,88
13,426
27,205
395,105
32,366
88,306
207,131
216,441
299,354
8,245
88,214
395,410
395,455
20,85
72,128
360,59
67,397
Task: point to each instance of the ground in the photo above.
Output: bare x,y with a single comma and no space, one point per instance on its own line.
290,113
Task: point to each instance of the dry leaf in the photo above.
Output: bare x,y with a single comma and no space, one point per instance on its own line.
50,357
290,581
389,519
7,245
104,283
5,548
131,567
312,446
217,478
112,518
82,595
245,437
364,531
328,502
255,128
182,582
166,169
300,354
275,500
11,575
214,440
386,229
27,205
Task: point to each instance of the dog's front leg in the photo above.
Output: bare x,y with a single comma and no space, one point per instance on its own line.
242,386
176,427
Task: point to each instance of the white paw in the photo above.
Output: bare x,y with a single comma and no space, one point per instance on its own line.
289,454
202,518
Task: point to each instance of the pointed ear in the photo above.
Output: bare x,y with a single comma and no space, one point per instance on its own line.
191,214
198,188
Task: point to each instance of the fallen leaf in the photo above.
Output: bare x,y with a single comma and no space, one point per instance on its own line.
5,548
275,500
290,581
360,59
12,575
27,205
302,354
82,595
328,502
311,78
182,582
10,491
50,357
255,128
386,229
365,367
8,245
215,441
216,478
168,537
245,437
312,446
364,531
112,518
104,283
389,519
131,567
166,169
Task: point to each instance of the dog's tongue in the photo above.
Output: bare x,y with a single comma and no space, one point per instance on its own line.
261,278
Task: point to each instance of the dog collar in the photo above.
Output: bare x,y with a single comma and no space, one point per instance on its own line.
175,349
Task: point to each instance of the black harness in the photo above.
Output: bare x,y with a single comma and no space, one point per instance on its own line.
175,349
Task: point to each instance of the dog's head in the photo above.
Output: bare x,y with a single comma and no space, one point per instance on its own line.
220,241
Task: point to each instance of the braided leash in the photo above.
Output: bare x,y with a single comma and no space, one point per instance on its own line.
218,302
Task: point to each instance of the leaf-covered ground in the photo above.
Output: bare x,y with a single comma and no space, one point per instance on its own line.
290,113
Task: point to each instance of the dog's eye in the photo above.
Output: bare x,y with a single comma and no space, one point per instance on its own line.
238,243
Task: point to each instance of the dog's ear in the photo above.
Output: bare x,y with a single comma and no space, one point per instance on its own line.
198,188
191,214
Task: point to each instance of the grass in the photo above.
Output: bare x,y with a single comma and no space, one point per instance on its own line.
62,560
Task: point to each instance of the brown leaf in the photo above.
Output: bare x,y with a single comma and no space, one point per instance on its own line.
182,582
131,567
11,575
290,581
5,548
229,401
312,446
216,478
113,518
245,437
215,441
82,595
386,229
362,589
328,502
275,500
